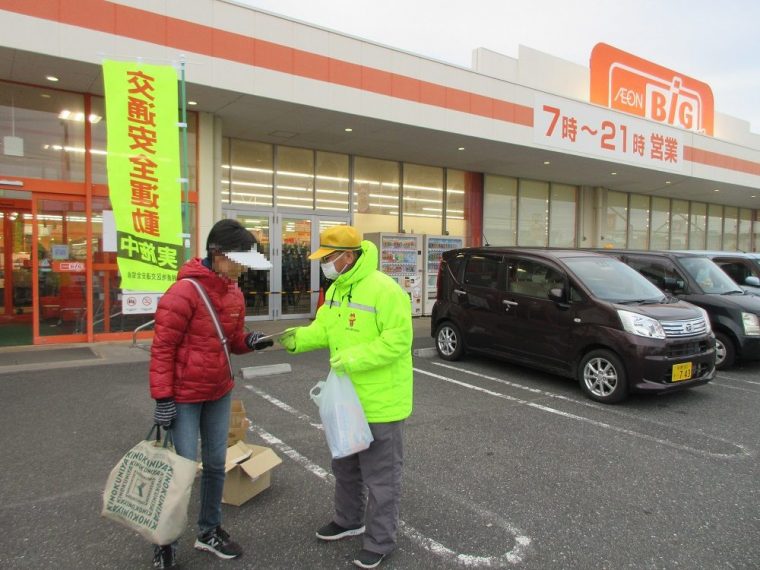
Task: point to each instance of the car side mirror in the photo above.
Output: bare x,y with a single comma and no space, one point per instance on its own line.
672,284
752,281
557,295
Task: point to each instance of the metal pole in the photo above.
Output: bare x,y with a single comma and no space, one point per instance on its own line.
185,171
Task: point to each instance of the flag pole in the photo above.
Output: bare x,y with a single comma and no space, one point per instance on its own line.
185,172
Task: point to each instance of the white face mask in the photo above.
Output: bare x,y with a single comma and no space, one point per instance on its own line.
329,269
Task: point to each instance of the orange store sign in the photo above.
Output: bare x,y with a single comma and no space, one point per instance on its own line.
627,83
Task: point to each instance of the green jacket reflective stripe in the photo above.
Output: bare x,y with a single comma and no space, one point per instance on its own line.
367,319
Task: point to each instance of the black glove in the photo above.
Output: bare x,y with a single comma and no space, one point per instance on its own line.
252,340
165,412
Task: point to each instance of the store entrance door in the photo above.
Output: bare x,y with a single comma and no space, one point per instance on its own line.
61,269
15,272
291,289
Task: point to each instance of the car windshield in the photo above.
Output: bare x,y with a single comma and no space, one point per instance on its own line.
711,278
613,281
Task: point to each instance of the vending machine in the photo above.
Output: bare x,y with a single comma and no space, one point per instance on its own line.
432,249
401,258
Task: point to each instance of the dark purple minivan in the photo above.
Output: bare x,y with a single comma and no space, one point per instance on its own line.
573,313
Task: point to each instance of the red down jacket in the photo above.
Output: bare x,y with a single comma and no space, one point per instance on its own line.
187,361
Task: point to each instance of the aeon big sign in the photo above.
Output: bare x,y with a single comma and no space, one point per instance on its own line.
627,83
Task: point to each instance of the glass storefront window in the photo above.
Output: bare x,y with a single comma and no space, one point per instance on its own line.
562,213
698,226
500,210
192,151
257,285
638,222
98,146
660,223
16,251
455,197
296,266
332,181
679,224
423,199
730,227
714,226
45,133
226,171
294,178
616,220
744,242
533,208
250,179
376,194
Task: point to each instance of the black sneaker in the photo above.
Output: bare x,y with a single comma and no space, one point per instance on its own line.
334,531
218,541
368,559
164,556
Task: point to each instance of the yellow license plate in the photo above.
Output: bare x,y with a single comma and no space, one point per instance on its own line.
681,371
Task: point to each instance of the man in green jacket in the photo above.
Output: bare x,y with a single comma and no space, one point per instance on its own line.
366,322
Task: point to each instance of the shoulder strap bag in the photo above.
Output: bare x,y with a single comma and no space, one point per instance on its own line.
214,317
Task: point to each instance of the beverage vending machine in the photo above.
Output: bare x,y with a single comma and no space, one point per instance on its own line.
401,258
432,249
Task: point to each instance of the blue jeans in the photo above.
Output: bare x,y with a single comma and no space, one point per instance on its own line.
211,420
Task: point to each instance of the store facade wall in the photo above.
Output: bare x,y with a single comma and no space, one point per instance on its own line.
301,127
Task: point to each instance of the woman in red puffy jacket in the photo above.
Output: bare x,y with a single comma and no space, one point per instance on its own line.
190,375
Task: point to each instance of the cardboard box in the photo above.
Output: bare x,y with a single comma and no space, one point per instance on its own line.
239,423
248,470
238,434
237,413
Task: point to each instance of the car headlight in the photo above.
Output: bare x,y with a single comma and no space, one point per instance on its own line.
751,324
640,325
706,317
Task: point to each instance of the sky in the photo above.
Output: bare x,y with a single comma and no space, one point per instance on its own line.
717,43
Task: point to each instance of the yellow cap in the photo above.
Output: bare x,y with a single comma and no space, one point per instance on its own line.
337,238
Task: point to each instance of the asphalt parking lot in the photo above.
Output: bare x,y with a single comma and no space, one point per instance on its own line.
505,468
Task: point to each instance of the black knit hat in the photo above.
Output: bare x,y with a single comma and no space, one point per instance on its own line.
229,235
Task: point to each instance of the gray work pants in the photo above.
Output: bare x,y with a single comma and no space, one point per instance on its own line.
368,487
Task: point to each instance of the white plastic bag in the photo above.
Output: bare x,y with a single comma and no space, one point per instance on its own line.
342,415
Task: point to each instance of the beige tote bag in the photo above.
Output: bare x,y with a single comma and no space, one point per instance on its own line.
149,489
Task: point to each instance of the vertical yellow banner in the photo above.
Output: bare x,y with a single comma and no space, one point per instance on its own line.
144,172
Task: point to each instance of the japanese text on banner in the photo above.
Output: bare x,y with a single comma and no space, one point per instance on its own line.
595,132
144,172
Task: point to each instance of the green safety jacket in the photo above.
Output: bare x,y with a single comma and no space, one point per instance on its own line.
367,319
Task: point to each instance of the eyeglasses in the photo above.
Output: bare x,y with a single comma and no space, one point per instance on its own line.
331,256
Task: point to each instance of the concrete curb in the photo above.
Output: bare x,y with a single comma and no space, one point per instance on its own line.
425,352
266,370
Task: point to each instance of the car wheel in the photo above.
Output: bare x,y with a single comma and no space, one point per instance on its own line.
725,353
448,341
602,377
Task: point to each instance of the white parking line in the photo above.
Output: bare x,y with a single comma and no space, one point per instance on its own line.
721,385
283,406
514,556
583,402
727,377
548,409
